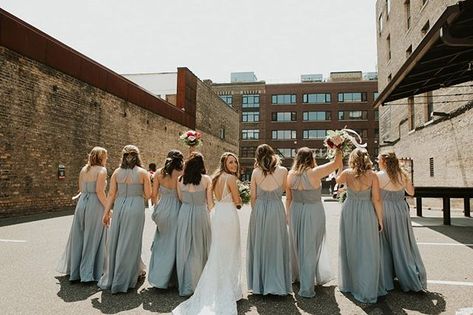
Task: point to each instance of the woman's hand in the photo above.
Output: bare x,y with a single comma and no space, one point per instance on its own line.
106,218
380,226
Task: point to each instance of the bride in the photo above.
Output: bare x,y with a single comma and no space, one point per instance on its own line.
219,286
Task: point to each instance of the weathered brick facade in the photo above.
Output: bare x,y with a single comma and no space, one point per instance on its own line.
416,135
49,118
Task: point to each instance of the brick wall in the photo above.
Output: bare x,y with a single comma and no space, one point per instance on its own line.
49,118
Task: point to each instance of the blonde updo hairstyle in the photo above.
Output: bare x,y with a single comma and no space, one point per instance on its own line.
96,157
266,159
360,162
393,168
303,161
130,157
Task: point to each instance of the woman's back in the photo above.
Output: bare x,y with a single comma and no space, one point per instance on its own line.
270,182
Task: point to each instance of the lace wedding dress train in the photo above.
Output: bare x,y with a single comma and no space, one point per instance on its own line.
219,286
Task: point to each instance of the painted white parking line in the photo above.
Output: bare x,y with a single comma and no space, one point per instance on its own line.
444,244
12,241
457,283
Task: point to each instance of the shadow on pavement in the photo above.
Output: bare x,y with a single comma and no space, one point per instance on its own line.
268,304
323,303
114,303
399,302
461,229
76,290
35,217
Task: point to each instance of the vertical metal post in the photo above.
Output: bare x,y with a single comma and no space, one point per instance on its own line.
419,206
446,210
466,201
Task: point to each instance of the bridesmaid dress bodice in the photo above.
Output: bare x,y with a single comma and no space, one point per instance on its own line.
303,191
359,195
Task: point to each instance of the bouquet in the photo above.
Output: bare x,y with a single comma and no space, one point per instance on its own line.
244,190
343,140
191,138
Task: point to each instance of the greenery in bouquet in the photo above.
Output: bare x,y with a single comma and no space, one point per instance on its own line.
244,189
191,138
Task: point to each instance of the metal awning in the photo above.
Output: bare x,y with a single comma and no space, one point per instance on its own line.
443,58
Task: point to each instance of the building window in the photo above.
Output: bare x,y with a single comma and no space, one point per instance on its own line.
316,116
283,116
283,134
408,51
388,41
431,166
429,105
250,134
317,98
355,97
410,102
314,134
407,6
425,28
247,152
286,153
353,115
376,135
283,99
376,115
250,116
375,95
380,24
250,101
362,132
227,99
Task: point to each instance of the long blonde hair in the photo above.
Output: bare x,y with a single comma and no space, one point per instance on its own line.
266,159
222,168
304,160
393,168
96,157
360,162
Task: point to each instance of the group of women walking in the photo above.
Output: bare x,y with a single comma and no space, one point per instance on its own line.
197,240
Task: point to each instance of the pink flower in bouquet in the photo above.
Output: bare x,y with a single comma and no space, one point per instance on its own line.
337,140
191,138
190,133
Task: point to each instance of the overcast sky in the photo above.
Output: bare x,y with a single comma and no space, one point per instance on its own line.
278,40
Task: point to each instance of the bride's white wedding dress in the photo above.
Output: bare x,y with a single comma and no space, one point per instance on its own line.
219,286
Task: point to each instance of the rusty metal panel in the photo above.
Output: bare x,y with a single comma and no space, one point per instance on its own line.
117,85
93,74
62,59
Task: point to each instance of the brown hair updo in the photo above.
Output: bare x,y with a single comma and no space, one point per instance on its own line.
393,168
130,157
266,159
96,157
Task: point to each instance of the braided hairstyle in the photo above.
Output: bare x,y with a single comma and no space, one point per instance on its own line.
174,161
360,162
130,157
395,173
266,159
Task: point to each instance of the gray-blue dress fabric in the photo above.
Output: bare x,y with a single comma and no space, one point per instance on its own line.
360,258
401,257
83,258
163,250
307,229
268,256
193,238
123,263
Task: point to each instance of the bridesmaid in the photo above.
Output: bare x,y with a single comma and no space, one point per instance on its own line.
193,223
83,258
130,188
162,265
401,257
360,223
268,258
307,220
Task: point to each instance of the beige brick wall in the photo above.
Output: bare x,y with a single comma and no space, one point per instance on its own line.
48,118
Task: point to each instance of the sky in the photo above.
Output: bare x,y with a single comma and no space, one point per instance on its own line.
278,40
